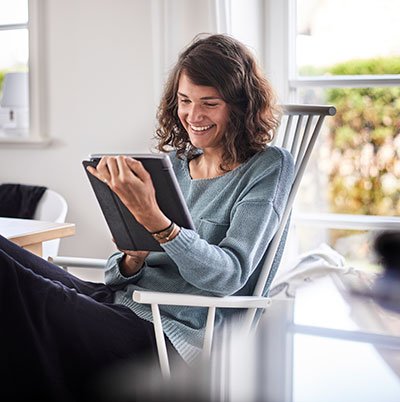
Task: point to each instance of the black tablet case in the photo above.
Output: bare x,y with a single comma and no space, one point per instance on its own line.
127,233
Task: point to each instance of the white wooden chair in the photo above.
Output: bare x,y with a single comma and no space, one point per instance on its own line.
298,133
52,207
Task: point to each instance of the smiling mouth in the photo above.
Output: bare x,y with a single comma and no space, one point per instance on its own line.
199,129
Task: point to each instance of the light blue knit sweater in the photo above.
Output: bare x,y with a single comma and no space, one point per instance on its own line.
235,216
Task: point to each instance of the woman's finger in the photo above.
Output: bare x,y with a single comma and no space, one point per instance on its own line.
102,165
96,174
101,171
112,168
124,171
137,168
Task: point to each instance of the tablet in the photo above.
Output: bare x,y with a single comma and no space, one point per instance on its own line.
127,233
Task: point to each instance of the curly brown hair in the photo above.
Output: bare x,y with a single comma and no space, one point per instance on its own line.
222,62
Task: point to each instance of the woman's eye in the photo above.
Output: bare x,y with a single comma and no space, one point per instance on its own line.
211,104
185,101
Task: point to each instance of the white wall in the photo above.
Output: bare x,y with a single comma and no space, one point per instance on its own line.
102,61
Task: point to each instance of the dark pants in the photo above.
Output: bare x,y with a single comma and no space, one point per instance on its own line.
58,334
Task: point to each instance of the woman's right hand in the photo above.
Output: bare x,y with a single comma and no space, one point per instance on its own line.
128,178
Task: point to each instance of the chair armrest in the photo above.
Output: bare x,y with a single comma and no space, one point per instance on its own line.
179,299
80,262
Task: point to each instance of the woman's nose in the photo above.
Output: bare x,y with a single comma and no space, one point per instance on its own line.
195,114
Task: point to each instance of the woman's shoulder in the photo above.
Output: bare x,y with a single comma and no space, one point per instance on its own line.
272,157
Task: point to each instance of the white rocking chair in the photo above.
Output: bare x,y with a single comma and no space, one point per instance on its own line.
299,129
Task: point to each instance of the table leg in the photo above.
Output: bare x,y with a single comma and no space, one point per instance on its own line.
35,248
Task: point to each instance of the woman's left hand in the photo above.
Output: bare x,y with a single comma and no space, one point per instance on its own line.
132,262
132,183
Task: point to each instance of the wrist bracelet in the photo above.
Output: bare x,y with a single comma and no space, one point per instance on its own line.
162,230
175,231
163,235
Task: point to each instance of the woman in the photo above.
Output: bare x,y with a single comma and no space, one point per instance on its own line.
216,118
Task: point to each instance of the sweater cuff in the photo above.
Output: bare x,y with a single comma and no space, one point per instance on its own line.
181,242
114,271
114,259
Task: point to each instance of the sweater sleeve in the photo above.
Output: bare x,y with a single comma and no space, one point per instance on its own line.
225,268
113,274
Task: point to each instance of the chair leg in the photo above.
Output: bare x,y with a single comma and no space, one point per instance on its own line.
161,346
208,336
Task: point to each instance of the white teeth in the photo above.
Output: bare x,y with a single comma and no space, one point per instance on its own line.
204,128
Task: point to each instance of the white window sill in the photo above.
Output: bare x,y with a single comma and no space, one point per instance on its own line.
348,221
21,142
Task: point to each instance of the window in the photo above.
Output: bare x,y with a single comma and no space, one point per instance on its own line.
345,53
19,73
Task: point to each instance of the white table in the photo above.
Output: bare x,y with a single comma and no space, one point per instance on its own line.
30,234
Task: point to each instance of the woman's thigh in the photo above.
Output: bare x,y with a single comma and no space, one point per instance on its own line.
48,270
63,338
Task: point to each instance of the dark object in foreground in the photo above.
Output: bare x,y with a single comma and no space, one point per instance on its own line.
386,289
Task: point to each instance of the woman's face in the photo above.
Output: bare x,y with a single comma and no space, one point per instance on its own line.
202,112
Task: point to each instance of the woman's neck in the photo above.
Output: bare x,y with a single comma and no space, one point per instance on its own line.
207,166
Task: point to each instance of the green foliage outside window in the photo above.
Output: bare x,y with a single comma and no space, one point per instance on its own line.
364,137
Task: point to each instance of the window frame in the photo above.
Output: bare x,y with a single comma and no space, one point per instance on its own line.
279,60
37,130
280,34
